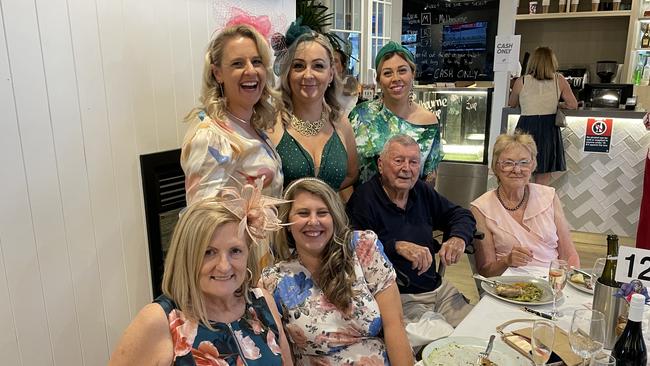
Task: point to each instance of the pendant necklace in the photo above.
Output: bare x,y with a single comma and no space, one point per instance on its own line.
523,199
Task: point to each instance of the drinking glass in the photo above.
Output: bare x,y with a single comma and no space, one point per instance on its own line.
602,359
557,273
541,340
587,333
597,270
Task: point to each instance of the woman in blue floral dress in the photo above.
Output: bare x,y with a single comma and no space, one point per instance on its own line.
335,289
374,122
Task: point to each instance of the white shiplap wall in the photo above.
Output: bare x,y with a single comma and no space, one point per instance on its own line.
86,86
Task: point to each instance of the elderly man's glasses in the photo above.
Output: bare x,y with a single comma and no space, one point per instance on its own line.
509,165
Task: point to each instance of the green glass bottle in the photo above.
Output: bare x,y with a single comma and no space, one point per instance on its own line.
609,272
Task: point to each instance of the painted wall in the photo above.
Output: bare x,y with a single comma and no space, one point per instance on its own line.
86,86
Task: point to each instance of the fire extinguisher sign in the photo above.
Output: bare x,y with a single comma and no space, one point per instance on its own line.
598,137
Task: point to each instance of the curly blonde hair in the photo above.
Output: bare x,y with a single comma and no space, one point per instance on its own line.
191,237
212,99
336,274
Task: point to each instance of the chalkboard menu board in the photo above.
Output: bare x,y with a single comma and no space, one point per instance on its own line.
452,40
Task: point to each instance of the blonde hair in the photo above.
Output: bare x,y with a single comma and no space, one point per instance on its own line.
212,99
332,103
543,64
390,55
184,260
507,141
336,274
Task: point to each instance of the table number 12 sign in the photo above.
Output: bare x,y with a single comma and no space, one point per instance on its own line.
633,264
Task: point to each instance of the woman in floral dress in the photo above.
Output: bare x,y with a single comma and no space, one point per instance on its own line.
375,121
335,289
209,313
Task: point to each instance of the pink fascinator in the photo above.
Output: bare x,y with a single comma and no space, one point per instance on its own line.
261,23
257,212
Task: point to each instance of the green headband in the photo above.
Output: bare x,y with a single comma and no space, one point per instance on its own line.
393,46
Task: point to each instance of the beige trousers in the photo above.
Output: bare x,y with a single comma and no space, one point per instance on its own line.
445,300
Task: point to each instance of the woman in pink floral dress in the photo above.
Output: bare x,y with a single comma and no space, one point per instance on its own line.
209,314
334,288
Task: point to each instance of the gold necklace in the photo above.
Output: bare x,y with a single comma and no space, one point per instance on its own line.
308,128
232,116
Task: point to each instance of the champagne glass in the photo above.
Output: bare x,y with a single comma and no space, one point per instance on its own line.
597,270
541,340
557,273
602,359
587,333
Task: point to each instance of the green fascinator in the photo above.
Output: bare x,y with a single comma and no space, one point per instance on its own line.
390,47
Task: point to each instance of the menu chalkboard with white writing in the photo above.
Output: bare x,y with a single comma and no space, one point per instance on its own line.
452,40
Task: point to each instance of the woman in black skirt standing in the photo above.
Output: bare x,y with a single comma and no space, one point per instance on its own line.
539,94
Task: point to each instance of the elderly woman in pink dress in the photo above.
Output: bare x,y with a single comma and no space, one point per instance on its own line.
523,222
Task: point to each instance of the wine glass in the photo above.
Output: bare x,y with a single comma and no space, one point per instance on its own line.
587,333
557,273
597,270
602,359
541,340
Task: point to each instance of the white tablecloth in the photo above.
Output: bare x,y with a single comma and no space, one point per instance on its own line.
491,312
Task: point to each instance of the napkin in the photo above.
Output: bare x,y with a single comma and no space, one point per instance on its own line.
428,328
561,345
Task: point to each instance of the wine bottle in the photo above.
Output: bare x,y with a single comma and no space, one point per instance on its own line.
609,272
645,39
630,349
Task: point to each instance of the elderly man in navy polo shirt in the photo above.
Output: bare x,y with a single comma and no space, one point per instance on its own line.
404,211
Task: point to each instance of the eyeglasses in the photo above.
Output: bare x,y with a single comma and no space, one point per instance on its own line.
509,165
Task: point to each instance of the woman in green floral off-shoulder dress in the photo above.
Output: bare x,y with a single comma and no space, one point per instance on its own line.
374,122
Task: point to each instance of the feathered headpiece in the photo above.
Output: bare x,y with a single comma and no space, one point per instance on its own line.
312,17
257,212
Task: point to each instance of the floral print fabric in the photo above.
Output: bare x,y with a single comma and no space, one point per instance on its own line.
216,154
252,340
318,332
374,124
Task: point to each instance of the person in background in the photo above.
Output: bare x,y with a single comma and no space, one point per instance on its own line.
311,135
404,211
539,93
225,143
523,222
334,287
396,112
340,62
210,313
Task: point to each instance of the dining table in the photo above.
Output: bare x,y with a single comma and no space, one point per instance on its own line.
490,312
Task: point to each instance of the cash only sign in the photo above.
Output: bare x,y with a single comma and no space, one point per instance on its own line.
506,53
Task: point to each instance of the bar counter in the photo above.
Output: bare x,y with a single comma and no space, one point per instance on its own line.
601,191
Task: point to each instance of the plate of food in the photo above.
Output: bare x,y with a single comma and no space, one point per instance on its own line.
580,282
463,351
522,290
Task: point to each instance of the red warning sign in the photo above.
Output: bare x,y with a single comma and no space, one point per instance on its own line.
598,137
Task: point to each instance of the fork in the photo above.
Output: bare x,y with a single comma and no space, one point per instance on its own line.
482,356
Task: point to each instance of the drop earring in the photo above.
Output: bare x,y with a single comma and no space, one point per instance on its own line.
411,95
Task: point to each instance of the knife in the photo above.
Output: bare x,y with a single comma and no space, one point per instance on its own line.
538,313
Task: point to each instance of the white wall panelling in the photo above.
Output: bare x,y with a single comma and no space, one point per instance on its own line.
86,86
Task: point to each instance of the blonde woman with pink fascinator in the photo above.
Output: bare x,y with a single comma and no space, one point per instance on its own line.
225,142
210,313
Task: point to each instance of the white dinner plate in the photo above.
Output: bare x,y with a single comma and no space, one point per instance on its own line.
461,351
547,292
579,286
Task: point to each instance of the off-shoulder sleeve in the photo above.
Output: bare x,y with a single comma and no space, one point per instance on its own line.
205,158
377,269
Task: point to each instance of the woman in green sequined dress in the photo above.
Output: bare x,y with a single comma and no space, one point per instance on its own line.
311,135
374,122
